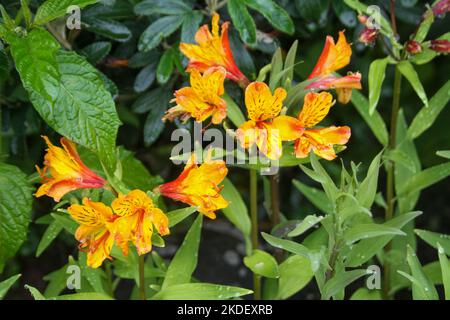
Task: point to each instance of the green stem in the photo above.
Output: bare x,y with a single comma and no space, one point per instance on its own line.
254,219
275,206
142,277
390,191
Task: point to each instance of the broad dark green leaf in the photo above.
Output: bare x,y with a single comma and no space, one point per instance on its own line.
153,124
5,285
262,263
166,7
15,210
200,291
191,23
108,28
165,66
97,51
242,21
276,15
145,78
374,121
158,30
377,71
52,9
426,116
185,260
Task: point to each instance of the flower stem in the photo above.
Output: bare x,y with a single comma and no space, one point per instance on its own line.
142,277
254,219
390,191
275,206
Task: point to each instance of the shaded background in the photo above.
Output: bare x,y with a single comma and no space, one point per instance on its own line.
222,249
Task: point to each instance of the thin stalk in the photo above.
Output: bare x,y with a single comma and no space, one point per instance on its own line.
142,277
254,219
275,206
390,191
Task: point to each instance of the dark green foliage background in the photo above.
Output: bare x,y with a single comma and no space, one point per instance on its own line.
111,33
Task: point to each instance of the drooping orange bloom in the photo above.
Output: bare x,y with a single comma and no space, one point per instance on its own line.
213,50
67,171
334,56
137,217
202,99
199,186
95,230
266,127
321,141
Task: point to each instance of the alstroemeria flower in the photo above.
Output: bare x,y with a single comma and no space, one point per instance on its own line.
95,230
199,186
137,217
266,127
321,141
202,99
213,50
334,56
67,171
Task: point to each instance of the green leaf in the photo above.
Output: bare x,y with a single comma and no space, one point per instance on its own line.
433,238
340,281
108,28
236,211
423,289
366,294
200,291
67,222
262,263
345,14
445,268
426,116
191,23
444,154
165,66
185,260
367,248
242,20
165,7
25,9
176,216
50,234
15,210
153,124
5,285
369,230
401,158
407,70
424,26
93,276
234,113
295,273
306,224
35,293
158,30
377,71
57,282
426,178
374,121
276,69
276,15
317,197
52,9
312,9
289,64
97,51
84,296
368,187
145,78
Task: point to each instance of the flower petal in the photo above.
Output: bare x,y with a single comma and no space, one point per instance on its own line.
290,128
315,108
261,104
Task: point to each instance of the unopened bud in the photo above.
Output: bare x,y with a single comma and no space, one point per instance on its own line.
368,36
413,47
441,8
441,46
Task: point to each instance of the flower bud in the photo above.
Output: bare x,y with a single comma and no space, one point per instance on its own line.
441,46
441,8
413,47
368,36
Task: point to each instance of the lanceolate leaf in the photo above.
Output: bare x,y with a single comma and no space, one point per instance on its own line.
185,261
433,238
364,231
291,280
407,69
49,235
426,178
15,210
377,71
316,196
161,28
52,9
340,281
200,291
422,288
6,284
236,211
234,113
426,116
445,269
242,20
276,15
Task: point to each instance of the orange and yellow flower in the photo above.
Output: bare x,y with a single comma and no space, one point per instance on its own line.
202,99
266,128
67,171
321,141
137,216
213,50
199,186
95,230
335,56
